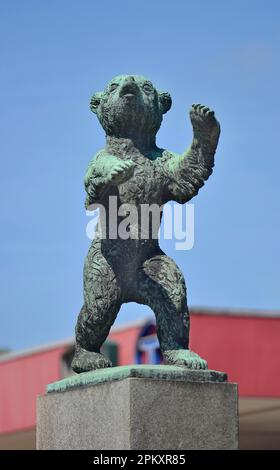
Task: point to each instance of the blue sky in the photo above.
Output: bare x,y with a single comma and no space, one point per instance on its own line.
54,55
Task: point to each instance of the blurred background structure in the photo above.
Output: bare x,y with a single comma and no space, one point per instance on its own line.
245,344
54,56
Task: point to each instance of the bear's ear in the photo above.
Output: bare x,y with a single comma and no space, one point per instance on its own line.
95,101
165,101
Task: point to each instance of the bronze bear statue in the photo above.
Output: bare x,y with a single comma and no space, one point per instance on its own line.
135,171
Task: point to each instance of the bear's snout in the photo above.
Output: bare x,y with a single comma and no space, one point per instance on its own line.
130,87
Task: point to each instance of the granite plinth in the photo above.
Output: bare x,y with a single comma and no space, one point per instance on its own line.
139,407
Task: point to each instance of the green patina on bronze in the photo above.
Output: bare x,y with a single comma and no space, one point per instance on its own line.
179,373
133,169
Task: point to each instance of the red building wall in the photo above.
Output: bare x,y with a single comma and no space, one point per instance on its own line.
126,340
246,347
22,379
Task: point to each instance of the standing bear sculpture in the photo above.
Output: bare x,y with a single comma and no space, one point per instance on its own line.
132,170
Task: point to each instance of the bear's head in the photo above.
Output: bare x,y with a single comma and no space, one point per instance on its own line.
130,107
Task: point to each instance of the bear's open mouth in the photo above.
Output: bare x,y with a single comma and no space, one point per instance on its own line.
128,90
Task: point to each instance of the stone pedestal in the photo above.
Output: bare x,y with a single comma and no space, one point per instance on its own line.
139,407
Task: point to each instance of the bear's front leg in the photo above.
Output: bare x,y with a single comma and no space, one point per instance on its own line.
104,172
185,174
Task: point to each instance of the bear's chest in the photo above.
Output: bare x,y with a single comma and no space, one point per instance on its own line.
144,186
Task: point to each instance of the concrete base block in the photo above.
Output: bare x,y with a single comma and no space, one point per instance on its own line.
142,413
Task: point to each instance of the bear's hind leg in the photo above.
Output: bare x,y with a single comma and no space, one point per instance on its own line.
162,287
102,296
89,339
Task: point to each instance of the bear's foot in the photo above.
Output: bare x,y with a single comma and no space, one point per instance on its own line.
184,357
85,361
